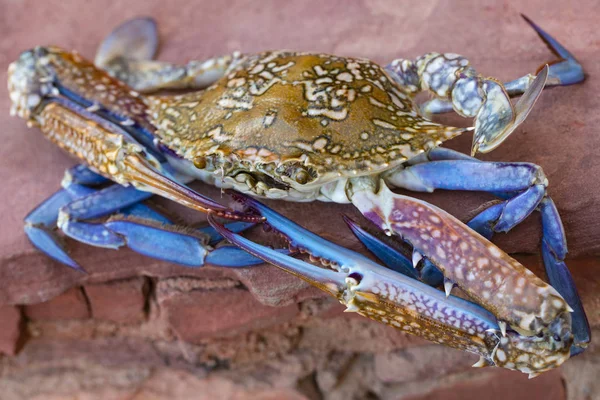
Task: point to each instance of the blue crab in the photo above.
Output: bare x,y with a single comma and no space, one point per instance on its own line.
304,127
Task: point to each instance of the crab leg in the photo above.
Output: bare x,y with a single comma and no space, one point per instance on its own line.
554,250
524,187
127,53
82,175
564,71
137,226
39,224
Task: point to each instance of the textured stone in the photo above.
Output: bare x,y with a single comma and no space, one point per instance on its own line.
274,287
421,363
557,135
353,333
200,314
499,385
71,304
346,376
11,323
120,301
581,373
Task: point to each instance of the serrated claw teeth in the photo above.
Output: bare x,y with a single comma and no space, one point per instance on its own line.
93,108
351,308
481,363
569,309
493,331
448,285
416,257
502,326
533,375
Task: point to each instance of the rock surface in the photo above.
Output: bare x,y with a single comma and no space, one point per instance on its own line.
136,328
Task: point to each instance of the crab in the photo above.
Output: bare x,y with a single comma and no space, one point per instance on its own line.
304,127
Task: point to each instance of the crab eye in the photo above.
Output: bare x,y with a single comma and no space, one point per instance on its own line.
556,337
299,173
302,177
200,162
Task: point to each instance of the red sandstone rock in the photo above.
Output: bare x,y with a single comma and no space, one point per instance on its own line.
353,333
10,329
201,314
559,134
71,304
421,363
120,301
500,385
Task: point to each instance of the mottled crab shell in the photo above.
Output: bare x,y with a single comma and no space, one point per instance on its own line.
300,119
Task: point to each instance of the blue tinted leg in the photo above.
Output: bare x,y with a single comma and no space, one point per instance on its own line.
40,227
525,182
564,71
143,230
554,251
41,223
82,175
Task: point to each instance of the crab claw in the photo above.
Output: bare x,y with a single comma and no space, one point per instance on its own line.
498,118
150,178
481,269
371,289
331,282
403,302
395,259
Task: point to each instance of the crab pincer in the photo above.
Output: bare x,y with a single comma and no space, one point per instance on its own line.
510,333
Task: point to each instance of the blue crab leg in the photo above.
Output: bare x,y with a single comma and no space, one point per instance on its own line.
127,53
143,231
395,259
564,71
392,258
39,224
82,175
554,251
138,226
525,179
141,211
